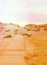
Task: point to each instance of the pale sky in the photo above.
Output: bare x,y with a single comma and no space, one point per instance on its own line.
23,11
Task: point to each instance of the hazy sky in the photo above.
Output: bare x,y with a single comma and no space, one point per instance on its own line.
23,11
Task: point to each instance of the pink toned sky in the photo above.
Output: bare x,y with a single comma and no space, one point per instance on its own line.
23,11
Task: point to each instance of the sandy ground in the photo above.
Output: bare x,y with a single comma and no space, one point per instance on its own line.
19,49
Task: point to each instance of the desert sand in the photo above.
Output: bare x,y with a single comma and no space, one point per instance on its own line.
23,45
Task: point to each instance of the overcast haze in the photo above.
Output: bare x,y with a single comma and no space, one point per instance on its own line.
23,11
